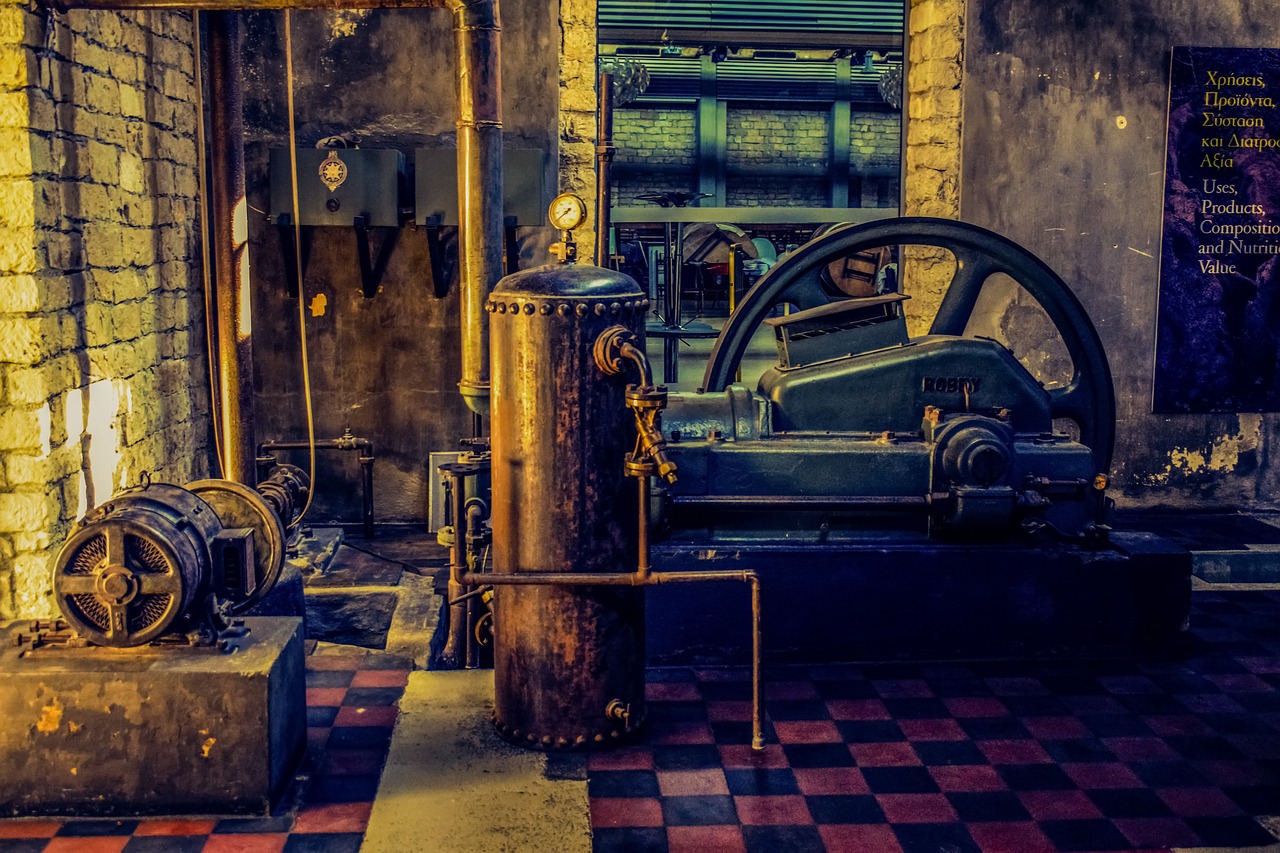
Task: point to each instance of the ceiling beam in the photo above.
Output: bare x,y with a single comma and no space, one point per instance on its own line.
656,36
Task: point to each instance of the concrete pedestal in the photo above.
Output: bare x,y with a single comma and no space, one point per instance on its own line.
155,730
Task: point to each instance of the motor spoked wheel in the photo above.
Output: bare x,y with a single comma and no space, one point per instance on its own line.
1088,399
238,505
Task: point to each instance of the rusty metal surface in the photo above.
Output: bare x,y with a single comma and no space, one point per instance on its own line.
562,503
605,151
477,32
98,731
230,248
135,564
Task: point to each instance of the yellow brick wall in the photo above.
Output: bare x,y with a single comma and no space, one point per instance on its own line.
102,373
932,170
578,107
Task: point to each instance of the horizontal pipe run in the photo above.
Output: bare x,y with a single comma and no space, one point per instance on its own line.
343,442
603,578
320,444
640,578
807,502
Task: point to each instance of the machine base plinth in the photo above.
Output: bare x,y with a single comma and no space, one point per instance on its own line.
153,730
924,601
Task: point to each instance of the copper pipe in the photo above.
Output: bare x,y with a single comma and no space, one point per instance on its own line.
757,680
476,30
455,647
812,503
474,515
231,250
642,561
605,151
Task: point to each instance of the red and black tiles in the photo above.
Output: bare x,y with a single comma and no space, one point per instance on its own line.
1021,757
351,709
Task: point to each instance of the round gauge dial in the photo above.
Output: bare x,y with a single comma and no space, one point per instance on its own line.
567,211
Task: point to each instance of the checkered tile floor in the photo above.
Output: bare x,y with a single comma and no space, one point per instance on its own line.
1001,758
351,708
986,757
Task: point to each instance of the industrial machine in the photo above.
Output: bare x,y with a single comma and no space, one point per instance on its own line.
161,692
162,559
927,495
857,418
575,445
892,496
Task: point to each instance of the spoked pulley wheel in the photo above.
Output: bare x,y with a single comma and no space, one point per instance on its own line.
1088,398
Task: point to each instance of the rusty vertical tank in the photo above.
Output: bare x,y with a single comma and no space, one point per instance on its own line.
568,660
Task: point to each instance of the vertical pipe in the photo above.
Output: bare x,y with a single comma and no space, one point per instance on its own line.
605,151
757,681
366,469
454,654
230,248
479,78
642,562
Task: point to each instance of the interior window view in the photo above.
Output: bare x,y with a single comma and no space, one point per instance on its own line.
719,118
639,426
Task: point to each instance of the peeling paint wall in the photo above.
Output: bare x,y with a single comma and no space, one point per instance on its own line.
1064,134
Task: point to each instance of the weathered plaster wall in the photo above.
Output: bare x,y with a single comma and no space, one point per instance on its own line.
388,366
1064,137
101,331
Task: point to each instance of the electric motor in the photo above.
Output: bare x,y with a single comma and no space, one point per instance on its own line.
135,564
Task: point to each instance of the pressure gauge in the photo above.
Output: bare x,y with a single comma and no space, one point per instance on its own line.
567,211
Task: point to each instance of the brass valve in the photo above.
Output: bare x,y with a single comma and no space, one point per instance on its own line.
615,346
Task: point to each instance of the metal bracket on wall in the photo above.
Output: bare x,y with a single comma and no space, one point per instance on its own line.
284,227
435,254
511,249
372,268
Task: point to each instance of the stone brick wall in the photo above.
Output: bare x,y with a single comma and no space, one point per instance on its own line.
578,105
794,142
875,141
875,148
101,330
798,139
934,71
657,152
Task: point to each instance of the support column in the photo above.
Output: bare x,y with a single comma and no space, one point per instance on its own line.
838,168
712,130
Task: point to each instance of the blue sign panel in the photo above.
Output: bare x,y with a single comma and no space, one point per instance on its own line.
1218,326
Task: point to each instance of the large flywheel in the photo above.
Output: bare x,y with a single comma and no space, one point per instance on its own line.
1088,399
